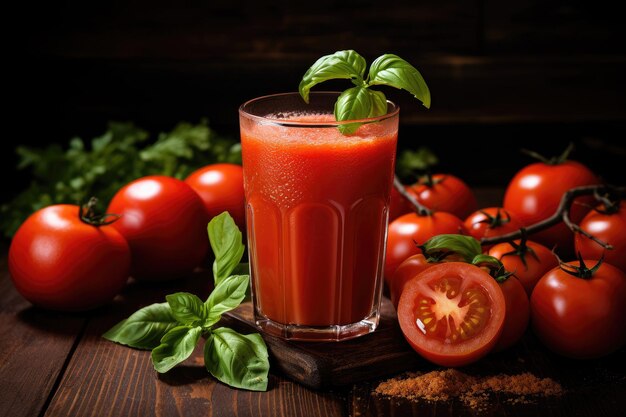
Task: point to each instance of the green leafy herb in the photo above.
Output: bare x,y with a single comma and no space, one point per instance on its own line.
466,246
394,71
100,167
341,64
187,308
172,330
409,162
237,360
226,296
226,242
176,346
360,102
145,328
438,247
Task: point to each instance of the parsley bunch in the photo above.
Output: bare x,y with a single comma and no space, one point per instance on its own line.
101,166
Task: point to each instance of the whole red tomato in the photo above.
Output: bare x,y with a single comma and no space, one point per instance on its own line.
490,222
527,260
165,224
444,192
452,313
517,313
409,269
220,186
535,192
409,230
581,317
608,225
59,261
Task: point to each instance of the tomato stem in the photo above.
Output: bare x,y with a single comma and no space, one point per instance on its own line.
420,209
562,215
610,203
555,160
87,214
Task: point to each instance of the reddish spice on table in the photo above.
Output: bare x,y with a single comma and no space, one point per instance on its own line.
471,390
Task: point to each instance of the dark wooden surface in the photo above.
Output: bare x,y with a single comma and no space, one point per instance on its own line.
324,365
55,364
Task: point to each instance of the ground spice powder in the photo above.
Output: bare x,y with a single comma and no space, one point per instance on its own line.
471,390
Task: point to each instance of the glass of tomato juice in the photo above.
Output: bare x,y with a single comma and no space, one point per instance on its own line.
317,205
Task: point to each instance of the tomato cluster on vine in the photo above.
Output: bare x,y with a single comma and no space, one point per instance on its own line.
574,308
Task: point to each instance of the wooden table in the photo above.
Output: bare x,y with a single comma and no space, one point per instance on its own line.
56,364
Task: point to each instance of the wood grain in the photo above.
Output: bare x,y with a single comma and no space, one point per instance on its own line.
323,365
34,345
106,379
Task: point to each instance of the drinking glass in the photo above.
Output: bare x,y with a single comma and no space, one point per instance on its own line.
317,205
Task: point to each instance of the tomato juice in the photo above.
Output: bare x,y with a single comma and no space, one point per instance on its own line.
317,206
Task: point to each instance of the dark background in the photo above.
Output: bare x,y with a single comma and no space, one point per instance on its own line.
503,75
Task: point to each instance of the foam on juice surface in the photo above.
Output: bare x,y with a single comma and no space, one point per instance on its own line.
320,131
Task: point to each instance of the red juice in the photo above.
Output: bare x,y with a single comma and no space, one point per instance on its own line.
317,208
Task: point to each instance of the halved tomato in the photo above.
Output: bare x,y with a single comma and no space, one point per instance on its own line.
452,313
409,269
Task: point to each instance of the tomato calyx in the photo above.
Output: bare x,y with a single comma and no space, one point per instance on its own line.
493,222
495,268
87,214
555,160
521,249
427,179
580,271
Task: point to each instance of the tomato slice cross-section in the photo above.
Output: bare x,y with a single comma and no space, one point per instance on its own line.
452,314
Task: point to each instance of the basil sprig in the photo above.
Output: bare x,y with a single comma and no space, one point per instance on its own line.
173,329
361,102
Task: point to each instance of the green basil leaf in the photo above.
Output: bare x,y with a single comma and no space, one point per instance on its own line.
242,269
391,70
227,245
144,328
486,259
342,64
466,246
187,308
358,103
240,361
226,296
176,346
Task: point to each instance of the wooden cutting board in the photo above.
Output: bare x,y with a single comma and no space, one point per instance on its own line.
334,364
